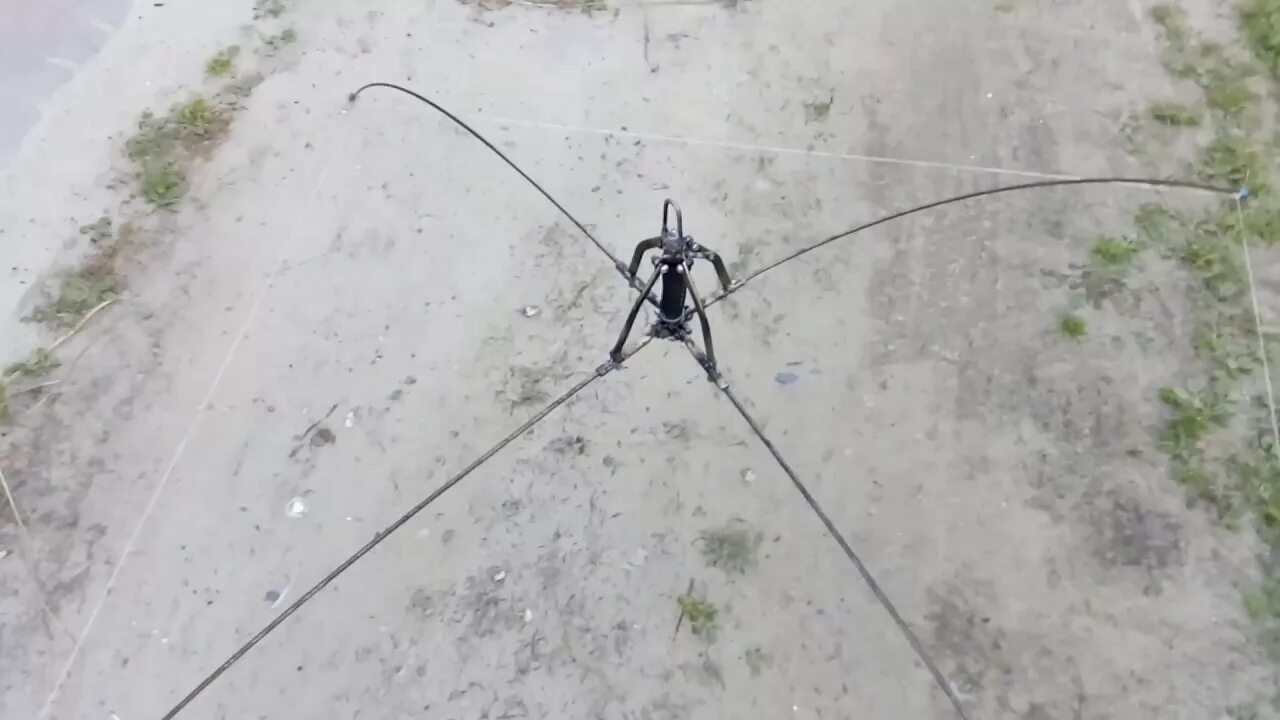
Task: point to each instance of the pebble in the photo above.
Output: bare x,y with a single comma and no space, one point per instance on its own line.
531,311
296,508
786,378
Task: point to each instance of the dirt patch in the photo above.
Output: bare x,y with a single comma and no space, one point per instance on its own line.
733,547
1129,535
997,672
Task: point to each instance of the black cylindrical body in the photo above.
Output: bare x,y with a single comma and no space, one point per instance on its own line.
671,305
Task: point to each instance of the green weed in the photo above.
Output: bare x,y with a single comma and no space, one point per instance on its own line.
1259,479
1260,25
1257,219
701,615
1174,114
164,147
1113,251
1215,265
1233,160
163,184
80,291
1190,417
197,118
1245,481
1260,485
1156,223
1073,326
40,363
1227,348
223,63
1223,79
1172,21
1230,94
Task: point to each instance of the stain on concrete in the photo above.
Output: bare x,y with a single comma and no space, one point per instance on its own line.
1128,535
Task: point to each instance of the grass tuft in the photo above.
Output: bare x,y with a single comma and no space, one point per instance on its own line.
165,146
223,63
1233,160
1260,25
1230,94
1190,418
82,291
162,183
702,616
1113,251
40,363
1213,454
1224,79
1073,326
1174,114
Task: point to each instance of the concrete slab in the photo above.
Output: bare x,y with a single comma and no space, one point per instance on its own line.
367,268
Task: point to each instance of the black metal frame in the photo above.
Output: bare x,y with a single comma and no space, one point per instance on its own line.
674,266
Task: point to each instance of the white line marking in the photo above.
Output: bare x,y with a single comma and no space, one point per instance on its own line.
303,216
772,148
1257,324
28,559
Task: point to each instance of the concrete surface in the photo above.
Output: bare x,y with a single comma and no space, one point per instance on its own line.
42,45
373,260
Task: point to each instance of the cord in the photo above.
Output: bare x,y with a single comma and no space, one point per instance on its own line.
617,264
885,602
1148,182
394,526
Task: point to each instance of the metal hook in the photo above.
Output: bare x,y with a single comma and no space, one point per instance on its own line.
667,205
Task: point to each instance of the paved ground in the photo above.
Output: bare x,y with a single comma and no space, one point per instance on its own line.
42,45
364,268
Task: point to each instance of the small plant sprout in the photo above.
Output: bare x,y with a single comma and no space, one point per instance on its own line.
1113,251
701,614
1073,326
223,63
